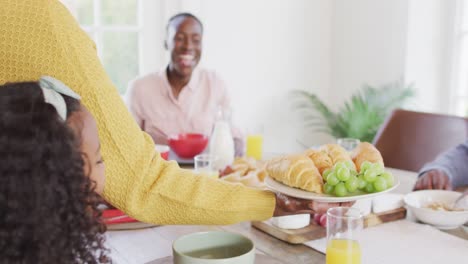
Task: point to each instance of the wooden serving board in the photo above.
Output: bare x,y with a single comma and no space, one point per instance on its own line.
314,231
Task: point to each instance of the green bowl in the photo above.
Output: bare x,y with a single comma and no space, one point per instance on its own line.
213,247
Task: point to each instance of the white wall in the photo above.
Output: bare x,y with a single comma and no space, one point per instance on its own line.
264,49
368,44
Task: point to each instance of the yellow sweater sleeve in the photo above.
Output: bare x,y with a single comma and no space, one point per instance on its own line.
40,37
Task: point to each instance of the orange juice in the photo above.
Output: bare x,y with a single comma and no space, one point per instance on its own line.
209,173
254,146
343,251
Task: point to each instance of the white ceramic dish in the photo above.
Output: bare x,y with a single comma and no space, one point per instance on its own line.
298,193
419,200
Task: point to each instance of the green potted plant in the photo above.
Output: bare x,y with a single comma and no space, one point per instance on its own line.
360,117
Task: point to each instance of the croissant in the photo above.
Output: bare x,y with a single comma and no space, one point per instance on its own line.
320,158
366,152
296,171
328,155
338,154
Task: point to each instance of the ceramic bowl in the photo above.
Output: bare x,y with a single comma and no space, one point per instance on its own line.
213,247
188,145
418,202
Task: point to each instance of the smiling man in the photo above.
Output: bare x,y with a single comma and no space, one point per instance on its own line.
182,97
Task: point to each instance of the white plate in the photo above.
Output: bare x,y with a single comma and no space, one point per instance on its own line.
298,193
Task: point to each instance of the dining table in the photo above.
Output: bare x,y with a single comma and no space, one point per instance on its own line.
153,244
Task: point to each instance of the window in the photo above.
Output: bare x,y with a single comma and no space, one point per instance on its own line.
115,26
459,94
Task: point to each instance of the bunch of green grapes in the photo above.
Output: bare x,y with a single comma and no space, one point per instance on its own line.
373,178
343,179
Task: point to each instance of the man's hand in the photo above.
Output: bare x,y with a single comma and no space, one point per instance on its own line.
286,205
433,179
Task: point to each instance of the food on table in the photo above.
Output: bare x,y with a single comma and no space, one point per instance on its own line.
442,207
291,221
338,154
328,155
320,219
297,171
246,171
320,158
341,179
366,152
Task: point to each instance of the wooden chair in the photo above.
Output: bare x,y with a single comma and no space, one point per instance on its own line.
407,139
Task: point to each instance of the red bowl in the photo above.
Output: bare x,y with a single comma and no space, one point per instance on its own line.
188,145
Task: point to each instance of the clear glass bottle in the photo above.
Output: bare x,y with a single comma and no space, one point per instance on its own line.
221,141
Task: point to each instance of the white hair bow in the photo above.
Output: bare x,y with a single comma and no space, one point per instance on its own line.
53,90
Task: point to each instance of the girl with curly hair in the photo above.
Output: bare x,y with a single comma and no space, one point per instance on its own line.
51,174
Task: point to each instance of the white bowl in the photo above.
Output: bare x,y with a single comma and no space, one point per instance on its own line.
418,201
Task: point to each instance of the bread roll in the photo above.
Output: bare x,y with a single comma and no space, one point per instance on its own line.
366,152
296,171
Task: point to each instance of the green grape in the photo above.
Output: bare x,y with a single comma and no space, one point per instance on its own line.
365,165
378,168
327,188
350,165
370,187
352,184
332,179
340,189
388,178
361,183
380,184
340,165
326,173
370,175
343,174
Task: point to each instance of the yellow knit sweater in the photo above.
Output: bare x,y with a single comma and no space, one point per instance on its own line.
40,37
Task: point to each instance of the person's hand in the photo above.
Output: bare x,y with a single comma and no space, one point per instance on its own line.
286,205
433,179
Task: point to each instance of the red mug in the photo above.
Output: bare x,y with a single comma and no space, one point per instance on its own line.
163,150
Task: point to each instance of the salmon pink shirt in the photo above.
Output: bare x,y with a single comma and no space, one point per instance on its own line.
160,114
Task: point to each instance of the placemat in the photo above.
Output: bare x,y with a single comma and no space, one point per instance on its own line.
406,242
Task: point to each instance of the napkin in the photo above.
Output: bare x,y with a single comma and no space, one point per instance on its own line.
406,242
115,216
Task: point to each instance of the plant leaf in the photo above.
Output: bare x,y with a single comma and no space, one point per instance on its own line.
360,117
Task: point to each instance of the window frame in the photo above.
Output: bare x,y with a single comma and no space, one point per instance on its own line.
97,28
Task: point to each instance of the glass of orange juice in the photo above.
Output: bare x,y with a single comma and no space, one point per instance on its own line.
343,227
254,143
205,165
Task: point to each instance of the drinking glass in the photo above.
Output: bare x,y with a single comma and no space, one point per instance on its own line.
254,144
343,227
205,165
348,143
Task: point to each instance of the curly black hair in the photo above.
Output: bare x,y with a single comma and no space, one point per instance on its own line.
48,207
